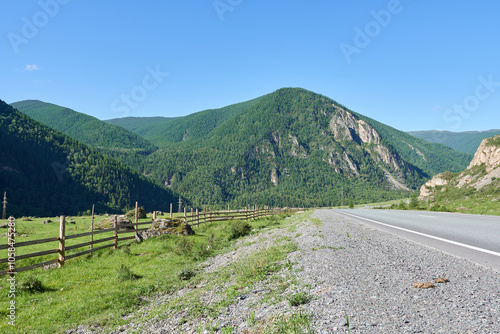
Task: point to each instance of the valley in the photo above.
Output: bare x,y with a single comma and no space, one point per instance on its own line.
291,148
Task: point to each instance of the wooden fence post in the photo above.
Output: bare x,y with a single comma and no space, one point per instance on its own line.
185,217
62,246
136,215
170,210
210,216
92,228
115,232
228,213
197,219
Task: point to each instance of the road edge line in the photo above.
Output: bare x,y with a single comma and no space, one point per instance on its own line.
424,235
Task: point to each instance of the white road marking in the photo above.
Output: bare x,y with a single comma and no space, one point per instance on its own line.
427,235
427,216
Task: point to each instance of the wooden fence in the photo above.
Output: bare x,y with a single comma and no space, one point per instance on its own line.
194,218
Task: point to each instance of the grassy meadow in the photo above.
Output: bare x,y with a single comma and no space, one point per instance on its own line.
101,288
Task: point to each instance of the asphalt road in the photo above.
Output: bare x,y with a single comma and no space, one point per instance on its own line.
472,237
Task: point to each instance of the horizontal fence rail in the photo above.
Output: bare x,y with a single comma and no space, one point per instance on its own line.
194,218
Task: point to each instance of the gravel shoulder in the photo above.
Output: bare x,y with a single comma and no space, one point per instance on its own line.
371,280
347,271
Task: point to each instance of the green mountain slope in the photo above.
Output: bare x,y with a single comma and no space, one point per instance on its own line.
45,173
466,142
162,130
82,127
292,147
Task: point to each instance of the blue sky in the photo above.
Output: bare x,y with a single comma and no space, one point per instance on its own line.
411,64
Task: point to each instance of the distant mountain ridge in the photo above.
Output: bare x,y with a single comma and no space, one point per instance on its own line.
466,142
82,127
163,130
46,173
291,147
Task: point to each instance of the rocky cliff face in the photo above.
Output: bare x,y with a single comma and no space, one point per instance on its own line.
345,126
483,170
488,154
429,187
345,143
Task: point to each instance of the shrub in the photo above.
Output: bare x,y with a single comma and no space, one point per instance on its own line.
125,250
202,251
239,229
125,274
186,274
413,201
140,213
32,285
299,298
183,246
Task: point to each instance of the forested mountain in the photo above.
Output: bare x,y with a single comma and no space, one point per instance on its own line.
466,142
85,128
45,173
162,130
288,148
292,147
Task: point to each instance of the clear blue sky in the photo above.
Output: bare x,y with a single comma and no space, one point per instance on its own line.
413,64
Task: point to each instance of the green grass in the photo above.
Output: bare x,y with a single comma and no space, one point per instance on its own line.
493,141
299,298
286,323
99,289
34,229
326,247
